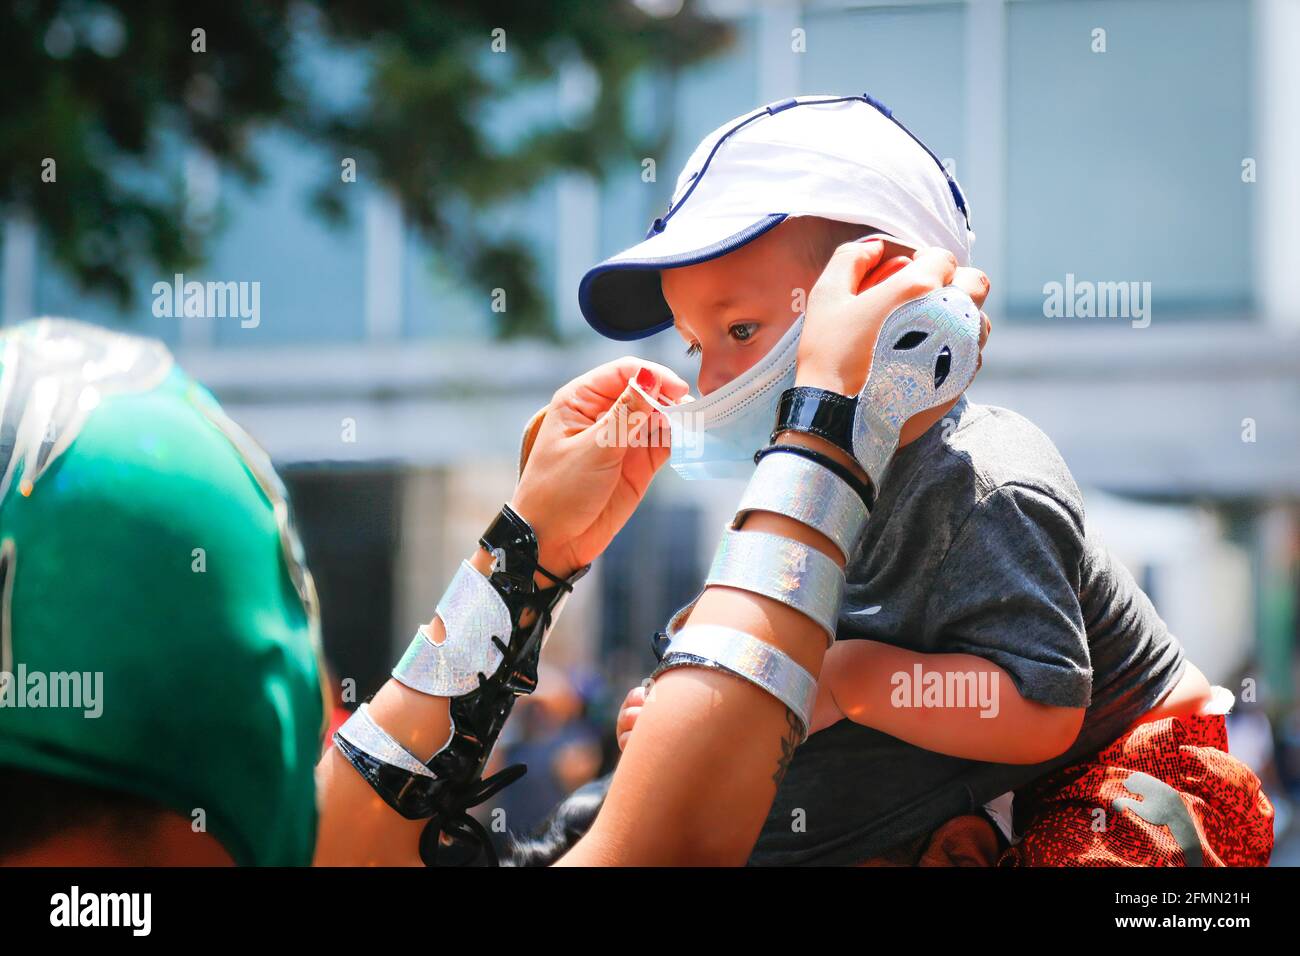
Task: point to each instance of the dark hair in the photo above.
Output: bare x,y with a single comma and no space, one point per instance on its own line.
562,829
35,807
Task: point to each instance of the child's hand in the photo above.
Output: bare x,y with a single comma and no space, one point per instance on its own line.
825,712
856,293
628,713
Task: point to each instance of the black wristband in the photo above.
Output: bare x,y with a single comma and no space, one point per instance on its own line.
862,488
817,411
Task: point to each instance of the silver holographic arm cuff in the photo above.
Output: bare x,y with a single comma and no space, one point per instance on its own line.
741,654
472,613
810,494
926,354
794,573
361,731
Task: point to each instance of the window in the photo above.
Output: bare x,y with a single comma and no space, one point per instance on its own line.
1126,165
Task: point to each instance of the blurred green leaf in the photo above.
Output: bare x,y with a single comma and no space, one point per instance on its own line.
107,88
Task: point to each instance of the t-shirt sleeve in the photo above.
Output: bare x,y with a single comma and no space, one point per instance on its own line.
1008,592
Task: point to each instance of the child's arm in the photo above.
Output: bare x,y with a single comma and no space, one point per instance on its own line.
878,685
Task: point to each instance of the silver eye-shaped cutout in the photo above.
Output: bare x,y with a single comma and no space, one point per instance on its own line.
910,340
942,365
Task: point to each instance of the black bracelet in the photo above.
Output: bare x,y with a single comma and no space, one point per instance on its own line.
862,488
817,411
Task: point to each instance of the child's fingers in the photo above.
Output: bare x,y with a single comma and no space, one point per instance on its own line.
850,263
631,708
973,282
627,720
883,271
931,268
985,328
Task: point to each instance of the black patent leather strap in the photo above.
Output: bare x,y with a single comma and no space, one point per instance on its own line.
817,411
477,720
513,545
477,717
408,793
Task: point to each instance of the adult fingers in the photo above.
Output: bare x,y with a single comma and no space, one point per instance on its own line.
627,422
609,380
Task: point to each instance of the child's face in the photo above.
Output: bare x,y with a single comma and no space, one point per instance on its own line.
730,311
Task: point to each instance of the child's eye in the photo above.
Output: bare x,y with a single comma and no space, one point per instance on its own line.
742,331
693,350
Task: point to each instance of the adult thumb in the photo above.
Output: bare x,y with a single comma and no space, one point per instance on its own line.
633,417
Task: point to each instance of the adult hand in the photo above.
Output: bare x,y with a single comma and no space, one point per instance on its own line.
593,457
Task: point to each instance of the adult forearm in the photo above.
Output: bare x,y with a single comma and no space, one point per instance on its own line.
356,827
698,777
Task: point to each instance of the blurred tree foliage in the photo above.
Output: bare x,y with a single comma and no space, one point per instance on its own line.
101,87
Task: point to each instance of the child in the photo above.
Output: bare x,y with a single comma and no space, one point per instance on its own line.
987,641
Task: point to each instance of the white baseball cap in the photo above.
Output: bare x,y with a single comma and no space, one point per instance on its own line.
838,157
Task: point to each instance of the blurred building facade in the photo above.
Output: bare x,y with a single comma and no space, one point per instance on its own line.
1154,151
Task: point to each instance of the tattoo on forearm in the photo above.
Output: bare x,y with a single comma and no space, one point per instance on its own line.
788,744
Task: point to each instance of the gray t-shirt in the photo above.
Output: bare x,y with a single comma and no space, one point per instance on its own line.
977,545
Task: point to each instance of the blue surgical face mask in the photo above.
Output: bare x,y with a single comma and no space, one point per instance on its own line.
717,436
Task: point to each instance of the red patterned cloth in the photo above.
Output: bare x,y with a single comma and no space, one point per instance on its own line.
1167,793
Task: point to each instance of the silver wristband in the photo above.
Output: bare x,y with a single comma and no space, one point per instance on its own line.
794,573
361,731
472,614
741,654
926,354
810,494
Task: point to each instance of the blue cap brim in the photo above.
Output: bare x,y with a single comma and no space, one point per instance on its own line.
620,298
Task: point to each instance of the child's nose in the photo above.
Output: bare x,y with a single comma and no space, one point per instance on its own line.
725,365
719,369
712,376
